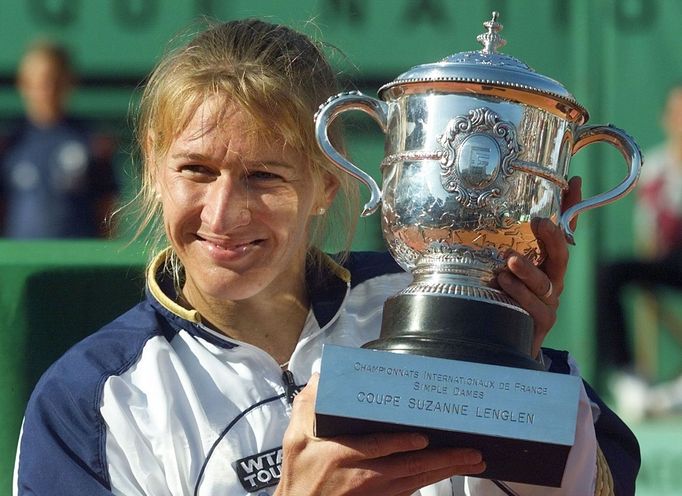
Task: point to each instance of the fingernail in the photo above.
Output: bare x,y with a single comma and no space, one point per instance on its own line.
474,456
420,440
480,469
515,260
504,277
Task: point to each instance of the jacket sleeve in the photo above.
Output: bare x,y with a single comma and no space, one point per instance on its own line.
604,459
61,445
617,443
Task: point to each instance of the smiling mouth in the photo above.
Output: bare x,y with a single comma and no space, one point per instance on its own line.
230,246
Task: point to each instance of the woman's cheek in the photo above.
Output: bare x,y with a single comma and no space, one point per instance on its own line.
187,197
286,205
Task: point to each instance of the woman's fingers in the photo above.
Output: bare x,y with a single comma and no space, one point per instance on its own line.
371,446
548,283
404,473
528,285
537,289
383,463
555,249
469,463
419,463
348,447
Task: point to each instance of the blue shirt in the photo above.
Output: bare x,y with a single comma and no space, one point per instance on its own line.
50,184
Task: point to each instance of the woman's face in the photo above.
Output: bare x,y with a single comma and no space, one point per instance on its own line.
236,209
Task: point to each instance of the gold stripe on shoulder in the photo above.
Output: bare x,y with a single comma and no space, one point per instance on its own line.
168,303
336,269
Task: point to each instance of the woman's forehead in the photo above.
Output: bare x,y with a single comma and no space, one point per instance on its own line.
232,134
221,117
212,123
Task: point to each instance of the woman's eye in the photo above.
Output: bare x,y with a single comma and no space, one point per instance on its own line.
264,176
195,170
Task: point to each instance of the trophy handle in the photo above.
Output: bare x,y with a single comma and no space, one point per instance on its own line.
633,157
326,114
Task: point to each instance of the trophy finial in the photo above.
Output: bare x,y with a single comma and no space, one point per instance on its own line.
491,40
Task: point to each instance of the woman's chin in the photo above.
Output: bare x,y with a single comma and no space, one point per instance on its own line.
222,284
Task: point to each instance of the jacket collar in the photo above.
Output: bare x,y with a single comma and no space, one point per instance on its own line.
327,288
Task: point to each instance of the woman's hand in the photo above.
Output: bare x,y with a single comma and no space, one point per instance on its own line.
385,464
537,288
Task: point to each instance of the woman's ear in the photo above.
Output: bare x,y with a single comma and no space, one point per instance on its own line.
330,188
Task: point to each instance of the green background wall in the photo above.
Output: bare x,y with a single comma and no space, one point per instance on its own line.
617,57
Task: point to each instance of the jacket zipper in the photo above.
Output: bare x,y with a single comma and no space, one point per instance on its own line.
290,386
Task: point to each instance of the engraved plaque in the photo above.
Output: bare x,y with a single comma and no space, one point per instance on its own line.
510,414
480,157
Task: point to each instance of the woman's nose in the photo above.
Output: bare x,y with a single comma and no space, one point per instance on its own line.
227,205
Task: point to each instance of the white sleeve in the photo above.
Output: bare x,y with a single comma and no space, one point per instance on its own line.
134,461
581,467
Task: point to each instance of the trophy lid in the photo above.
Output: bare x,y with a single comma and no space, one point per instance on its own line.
488,72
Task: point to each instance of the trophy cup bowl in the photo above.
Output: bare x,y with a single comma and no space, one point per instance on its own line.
476,146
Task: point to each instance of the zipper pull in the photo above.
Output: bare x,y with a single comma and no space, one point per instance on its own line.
290,386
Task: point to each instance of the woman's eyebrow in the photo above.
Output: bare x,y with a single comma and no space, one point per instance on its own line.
191,156
267,163
244,163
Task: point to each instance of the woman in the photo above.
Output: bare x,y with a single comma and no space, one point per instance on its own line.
192,391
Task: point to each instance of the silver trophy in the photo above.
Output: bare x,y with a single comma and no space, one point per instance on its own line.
476,146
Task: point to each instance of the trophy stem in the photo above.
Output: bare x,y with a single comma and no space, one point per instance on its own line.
457,328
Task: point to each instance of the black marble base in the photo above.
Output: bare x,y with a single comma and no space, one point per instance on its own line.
457,329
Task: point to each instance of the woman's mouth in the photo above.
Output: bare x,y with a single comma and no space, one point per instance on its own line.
230,250
234,246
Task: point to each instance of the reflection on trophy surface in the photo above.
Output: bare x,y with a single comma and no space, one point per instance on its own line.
476,146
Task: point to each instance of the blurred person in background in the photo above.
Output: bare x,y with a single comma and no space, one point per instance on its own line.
56,176
658,242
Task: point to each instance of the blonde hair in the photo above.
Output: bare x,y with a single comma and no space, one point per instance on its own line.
274,73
